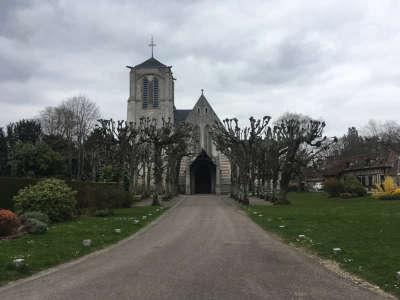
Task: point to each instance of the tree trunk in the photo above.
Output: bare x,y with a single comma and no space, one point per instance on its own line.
284,186
157,165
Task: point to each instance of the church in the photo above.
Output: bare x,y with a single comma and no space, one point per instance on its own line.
151,94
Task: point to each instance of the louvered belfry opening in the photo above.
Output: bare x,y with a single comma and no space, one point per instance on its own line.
150,92
145,90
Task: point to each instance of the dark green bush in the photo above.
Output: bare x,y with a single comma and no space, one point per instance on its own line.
35,226
42,217
346,195
101,195
333,187
9,187
103,213
90,195
51,196
353,186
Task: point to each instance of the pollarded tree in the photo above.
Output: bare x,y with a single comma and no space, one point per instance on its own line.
240,146
175,153
122,146
160,137
294,132
268,156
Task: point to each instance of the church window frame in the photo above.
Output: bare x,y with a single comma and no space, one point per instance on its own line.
145,92
155,93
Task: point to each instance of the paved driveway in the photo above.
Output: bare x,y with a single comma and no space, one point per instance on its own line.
205,248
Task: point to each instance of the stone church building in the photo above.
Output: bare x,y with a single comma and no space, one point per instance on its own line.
151,95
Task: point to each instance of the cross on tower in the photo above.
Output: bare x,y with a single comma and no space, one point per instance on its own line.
152,45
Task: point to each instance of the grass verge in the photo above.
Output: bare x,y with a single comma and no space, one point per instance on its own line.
63,241
366,230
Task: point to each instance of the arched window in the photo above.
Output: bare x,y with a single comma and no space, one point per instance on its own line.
145,88
155,92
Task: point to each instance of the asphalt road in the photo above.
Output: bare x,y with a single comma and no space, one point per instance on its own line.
204,248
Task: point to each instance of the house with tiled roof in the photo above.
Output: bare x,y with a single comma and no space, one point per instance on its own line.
370,168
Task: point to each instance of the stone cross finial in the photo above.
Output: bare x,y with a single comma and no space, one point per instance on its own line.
152,45
202,92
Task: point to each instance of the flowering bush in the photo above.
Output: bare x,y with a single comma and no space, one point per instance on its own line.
387,191
51,196
9,222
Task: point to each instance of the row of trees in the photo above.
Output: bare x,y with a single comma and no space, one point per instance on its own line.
52,144
263,155
148,151
71,141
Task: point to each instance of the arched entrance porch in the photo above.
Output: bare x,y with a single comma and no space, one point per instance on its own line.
202,175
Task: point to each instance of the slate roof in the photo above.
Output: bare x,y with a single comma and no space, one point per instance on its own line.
180,115
151,63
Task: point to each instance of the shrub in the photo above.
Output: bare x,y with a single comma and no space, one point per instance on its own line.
388,191
34,215
90,195
103,213
9,187
9,222
100,195
51,196
346,195
353,186
35,226
333,187
118,198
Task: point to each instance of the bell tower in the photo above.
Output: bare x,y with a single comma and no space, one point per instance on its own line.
151,92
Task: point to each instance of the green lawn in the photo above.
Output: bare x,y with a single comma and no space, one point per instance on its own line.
63,241
367,231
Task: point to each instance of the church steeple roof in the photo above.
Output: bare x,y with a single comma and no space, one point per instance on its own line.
202,99
151,63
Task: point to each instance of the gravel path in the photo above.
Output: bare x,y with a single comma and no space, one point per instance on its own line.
204,248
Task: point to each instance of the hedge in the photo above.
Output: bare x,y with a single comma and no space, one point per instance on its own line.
9,187
96,195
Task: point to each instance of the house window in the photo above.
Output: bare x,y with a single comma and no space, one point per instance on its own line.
155,92
370,181
363,180
145,88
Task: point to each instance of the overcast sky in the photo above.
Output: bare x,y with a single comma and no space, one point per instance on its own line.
335,60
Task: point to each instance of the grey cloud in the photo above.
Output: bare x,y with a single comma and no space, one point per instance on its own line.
327,59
